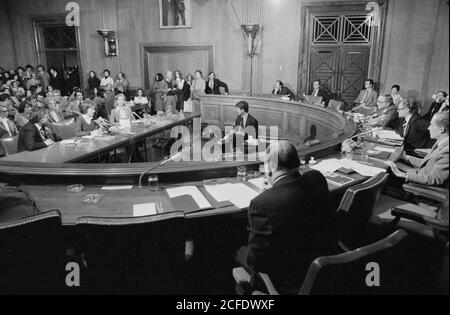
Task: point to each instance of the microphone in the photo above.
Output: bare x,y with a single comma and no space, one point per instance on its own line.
136,115
161,163
364,133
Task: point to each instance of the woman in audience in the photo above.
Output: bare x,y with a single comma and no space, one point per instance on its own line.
397,98
158,92
24,114
85,123
188,86
121,84
50,91
121,110
197,90
141,99
33,81
55,115
21,72
179,87
93,81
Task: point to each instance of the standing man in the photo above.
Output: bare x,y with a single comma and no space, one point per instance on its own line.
57,81
44,77
289,224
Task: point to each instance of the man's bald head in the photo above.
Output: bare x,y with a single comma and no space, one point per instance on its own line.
283,156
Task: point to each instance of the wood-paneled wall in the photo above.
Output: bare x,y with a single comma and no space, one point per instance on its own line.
415,48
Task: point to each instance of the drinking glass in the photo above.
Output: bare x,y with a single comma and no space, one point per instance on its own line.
153,183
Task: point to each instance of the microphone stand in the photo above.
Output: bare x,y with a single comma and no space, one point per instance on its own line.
161,163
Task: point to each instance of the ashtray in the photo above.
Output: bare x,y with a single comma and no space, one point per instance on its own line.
93,198
75,188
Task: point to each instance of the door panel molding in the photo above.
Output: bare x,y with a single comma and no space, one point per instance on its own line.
329,8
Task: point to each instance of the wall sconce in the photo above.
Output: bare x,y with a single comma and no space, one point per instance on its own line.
252,34
111,49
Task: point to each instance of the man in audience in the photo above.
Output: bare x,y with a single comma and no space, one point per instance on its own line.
437,106
290,224
367,99
317,91
33,81
244,120
43,76
169,90
433,170
7,127
386,115
57,81
213,85
281,90
106,79
74,106
35,134
414,129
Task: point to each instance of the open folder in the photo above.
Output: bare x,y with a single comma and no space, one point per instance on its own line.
188,199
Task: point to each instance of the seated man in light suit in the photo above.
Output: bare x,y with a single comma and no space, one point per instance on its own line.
290,224
7,127
433,170
366,103
386,115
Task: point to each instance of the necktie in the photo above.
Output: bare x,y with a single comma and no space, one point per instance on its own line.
316,92
211,84
42,134
365,96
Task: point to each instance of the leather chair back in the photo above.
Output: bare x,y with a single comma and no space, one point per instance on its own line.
64,130
8,146
134,255
31,255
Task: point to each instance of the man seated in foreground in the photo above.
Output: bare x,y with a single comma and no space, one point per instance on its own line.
35,134
433,170
290,224
386,115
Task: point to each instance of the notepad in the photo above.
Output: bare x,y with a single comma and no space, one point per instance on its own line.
258,182
145,209
338,180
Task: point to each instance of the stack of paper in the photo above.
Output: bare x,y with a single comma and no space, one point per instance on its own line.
388,135
331,165
239,194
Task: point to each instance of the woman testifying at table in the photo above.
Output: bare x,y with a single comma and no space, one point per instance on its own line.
121,111
85,122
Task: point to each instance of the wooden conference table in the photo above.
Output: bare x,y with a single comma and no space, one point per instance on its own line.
89,147
119,203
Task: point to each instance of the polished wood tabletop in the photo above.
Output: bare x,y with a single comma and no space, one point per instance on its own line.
119,203
90,147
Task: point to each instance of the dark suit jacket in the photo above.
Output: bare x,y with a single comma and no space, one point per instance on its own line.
323,94
434,108
30,139
216,88
251,121
416,134
57,82
290,225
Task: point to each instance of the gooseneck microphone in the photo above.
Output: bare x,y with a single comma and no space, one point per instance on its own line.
161,163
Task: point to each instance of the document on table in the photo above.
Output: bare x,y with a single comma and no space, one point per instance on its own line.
362,169
69,141
327,166
331,165
258,182
145,209
388,134
383,149
239,194
112,188
192,191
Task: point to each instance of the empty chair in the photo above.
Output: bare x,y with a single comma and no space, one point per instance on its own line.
356,209
64,130
134,255
31,255
8,146
389,266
